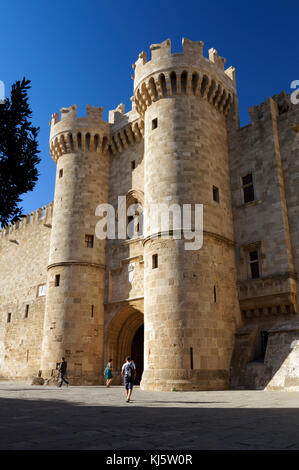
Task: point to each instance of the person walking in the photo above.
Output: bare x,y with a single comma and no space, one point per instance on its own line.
109,375
62,372
128,371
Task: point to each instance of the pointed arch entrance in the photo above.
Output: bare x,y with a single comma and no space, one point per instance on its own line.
124,337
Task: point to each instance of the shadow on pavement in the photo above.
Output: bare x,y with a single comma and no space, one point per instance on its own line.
59,424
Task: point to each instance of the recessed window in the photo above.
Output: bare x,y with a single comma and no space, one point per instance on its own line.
9,318
26,311
154,123
215,296
61,173
133,165
154,261
247,187
254,264
89,241
216,194
191,358
92,311
134,219
131,227
57,280
41,290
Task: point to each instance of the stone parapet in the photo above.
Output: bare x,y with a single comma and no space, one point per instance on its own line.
75,134
41,215
189,73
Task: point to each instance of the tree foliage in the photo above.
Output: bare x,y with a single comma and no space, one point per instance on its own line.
18,152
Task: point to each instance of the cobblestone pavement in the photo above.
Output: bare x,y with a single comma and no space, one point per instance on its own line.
39,417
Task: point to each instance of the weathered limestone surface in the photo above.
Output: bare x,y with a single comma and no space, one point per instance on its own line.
208,323
24,253
267,148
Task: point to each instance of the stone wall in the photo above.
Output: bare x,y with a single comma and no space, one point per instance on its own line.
124,256
282,356
266,148
24,255
288,132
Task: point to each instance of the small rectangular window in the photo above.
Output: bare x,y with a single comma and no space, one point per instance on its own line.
61,173
215,297
57,280
9,318
248,189
133,165
154,261
154,123
216,194
41,290
92,311
254,264
191,358
89,241
26,311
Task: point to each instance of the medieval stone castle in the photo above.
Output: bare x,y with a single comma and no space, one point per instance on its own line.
224,316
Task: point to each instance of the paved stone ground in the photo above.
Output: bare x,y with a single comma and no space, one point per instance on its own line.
36,417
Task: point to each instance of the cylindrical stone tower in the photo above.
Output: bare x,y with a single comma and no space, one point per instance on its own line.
74,317
190,296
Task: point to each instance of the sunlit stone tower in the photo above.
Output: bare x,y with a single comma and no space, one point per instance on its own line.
190,297
74,317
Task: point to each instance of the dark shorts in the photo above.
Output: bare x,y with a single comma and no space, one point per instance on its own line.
128,384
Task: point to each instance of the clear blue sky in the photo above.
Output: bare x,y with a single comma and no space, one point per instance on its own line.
79,52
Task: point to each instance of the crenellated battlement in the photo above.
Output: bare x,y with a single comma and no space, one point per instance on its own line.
41,215
74,134
128,129
189,72
280,106
192,56
129,135
70,114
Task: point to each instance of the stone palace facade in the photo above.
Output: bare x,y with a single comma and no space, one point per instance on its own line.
222,316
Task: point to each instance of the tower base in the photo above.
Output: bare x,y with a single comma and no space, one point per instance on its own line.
51,377
172,380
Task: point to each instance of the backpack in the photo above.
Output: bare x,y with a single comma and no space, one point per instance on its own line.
128,370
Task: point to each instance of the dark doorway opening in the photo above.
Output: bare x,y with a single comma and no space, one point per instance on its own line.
137,353
264,341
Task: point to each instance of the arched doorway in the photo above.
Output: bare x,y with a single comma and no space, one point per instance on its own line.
137,348
124,337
